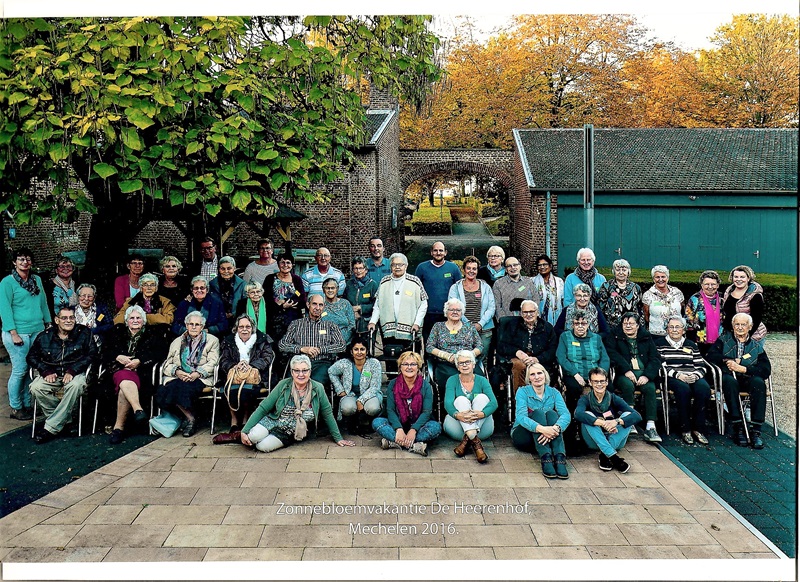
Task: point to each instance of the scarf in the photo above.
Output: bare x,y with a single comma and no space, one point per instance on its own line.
30,285
359,283
591,317
260,318
226,292
501,272
152,305
588,278
599,408
712,311
66,292
675,344
87,319
408,411
244,347
192,350
301,427
133,340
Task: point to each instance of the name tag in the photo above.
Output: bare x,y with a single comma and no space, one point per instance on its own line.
521,288
687,350
324,313
365,374
744,357
323,331
367,295
477,295
453,332
446,275
576,344
100,317
297,293
410,293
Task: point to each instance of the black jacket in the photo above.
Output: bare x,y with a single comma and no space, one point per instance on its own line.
261,355
512,335
151,348
620,354
49,354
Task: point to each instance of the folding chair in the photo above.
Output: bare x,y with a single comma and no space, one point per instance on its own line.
33,373
209,392
744,406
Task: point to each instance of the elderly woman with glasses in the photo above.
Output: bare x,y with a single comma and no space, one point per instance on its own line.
361,291
158,309
409,405
283,417
494,268
201,300
129,353
541,417
60,289
704,312
661,301
172,284
595,318
449,337
128,285
338,310
264,265
188,370
244,349
686,372
285,296
550,289
620,295
470,403
254,305
93,315
227,286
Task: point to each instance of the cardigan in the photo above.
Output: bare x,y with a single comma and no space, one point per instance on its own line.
208,360
578,355
487,303
363,297
619,352
122,289
453,390
341,375
274,404
21,311
528,401
412,309
618,407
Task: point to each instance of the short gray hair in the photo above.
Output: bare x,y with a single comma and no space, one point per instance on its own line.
679,319
299,359
583,288
149,278
86,286
454,301
585,251
227,259
252,285
621,263
192,315
497,250
466,354
199,278
659,269
401,256
134,308
746,316
244,316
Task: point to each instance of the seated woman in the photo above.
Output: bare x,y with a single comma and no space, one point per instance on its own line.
409,404
636,364
285,297
704,312
338,310
160,310
228,287
540,420
244,349
738,353
606,421
595,318
282,418
172,284
128,285
189,369
661,301
470,403
685,377
478,299
449,337
744,295
210,307
357,381
130,352
93,315
620,295
60,289
254,305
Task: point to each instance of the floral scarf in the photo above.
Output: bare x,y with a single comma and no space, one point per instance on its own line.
87,319
192,351
30,285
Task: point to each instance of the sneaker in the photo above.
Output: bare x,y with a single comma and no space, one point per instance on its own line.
387,444
20,414
619,464
116,437
651,436
419,448
140,416
700,438
190,429
633,430
687,438
605,464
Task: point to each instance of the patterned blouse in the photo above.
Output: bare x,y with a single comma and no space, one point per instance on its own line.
341,313
662,306
466,338
615,303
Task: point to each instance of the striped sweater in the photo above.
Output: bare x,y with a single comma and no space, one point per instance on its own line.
683,360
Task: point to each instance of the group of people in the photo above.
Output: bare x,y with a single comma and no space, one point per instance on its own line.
213,327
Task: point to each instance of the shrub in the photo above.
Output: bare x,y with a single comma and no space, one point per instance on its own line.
434,220
500,226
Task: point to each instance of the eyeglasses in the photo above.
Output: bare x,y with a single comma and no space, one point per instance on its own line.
245,327
265,249
208,248
323,256
464,363
396,265
409,364
194,324
24,260
65,267
67,318
542,265
300,371
628,323
199,288
675,327
529,312
579,323
148,285
512,265
494,256
330,288
454,310
136,263
598,382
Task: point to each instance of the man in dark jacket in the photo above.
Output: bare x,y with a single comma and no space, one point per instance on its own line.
361,291
61,355
524,340
635,361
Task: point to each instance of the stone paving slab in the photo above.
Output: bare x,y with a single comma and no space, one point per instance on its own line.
173,502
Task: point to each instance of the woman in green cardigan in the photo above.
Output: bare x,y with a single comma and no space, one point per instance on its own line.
282,418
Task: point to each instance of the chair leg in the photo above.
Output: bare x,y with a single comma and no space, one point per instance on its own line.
33,421
509,399
213,411
772,408
80,415
94,421
744,420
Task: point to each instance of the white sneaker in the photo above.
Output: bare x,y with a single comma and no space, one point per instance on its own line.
420,449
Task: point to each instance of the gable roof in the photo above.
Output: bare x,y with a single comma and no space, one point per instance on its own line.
376,122
662,159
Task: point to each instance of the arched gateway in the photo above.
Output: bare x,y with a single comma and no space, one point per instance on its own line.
416,164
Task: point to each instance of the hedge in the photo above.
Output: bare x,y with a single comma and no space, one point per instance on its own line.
500,226
432,220
780,292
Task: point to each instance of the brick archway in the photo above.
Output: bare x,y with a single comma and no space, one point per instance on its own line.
416,164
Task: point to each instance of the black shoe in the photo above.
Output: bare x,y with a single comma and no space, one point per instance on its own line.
140,416
619,464
605,463
116,437
20,414
190,429
755,436
548,466
43,436
561,466
738,435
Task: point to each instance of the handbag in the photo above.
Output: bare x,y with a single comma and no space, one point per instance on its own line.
235,376
166,424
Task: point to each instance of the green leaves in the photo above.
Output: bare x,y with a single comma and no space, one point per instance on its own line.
128,186
105,171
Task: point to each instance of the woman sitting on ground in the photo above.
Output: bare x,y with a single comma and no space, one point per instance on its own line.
357,382
129,353
245,349
93,315
409,403
606,421
337,309
159,310
470,403
188,370
449,337
541,417
228,287
704,312
172,284
283,417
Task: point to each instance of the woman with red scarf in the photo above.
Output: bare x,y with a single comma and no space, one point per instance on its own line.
408,408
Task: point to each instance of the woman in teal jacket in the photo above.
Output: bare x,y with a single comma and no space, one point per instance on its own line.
282,417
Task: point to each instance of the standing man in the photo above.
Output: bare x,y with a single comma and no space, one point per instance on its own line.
61,355
437,276
511,289
361,292
313,277
207,265
378,266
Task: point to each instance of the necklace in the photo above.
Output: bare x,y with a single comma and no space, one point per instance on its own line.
397,284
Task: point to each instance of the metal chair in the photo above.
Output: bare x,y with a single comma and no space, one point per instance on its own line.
209,392
713,376
33,373
744,406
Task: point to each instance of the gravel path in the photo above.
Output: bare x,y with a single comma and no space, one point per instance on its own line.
782,351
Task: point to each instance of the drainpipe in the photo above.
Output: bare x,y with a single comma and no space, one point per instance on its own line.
588,183
547,225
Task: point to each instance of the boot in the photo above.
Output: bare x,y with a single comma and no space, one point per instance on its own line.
548,466
462,447
480,454
738,435
755,437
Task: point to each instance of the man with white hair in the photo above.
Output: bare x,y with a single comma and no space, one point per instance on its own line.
585,273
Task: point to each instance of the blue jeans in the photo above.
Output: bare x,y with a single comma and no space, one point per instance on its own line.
18,394
429,431
608,444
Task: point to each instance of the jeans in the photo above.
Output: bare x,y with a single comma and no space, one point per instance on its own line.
429,431
608,444
18,395
624,385
372,407
683,397
525,440
455,429
58,410
319,371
